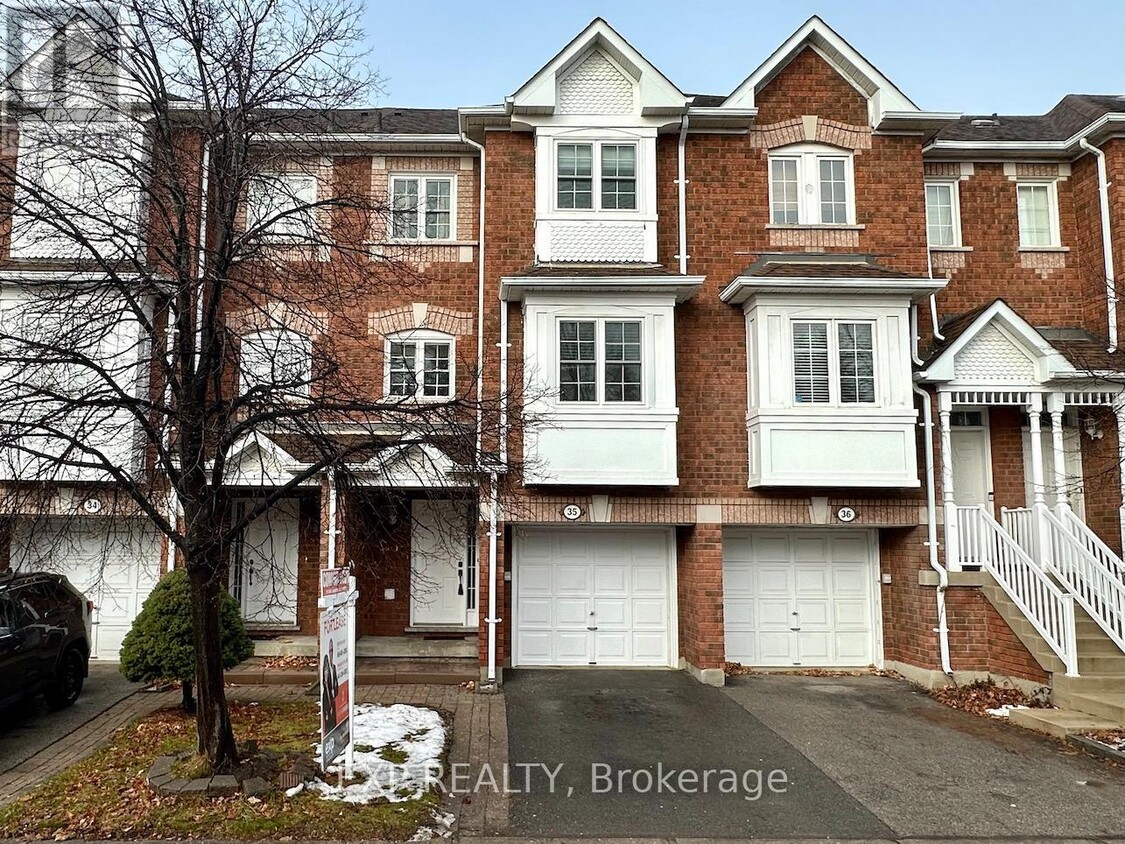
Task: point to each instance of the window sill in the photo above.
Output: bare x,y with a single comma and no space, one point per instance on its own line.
422,242
805,227
1044,249
951,249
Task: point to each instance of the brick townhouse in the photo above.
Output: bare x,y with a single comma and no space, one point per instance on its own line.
801,375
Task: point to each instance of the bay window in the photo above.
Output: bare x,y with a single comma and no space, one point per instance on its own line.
422,208
419,365
833,362
600,360
811,185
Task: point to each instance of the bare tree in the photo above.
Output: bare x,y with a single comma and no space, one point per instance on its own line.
137,136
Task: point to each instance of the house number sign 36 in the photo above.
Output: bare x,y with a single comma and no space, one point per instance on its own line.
846,514
572,512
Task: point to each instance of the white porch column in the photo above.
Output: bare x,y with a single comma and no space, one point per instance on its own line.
1038,502
1119,411
1055,407
949,507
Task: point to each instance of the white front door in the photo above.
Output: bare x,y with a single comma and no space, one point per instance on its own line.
593,596
113,562
264,571
1072,458
439,562
799,598
972,472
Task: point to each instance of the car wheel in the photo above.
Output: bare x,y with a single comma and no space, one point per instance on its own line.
69,676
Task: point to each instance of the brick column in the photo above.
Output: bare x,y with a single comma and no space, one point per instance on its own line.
699,575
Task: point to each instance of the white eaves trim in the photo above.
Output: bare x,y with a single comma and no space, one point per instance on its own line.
742,288
682,288
941,369
814,32
916,121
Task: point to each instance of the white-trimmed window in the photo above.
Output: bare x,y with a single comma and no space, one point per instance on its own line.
596,175
276,363
1038,209
419,365
601,361
811,185
422,208
833,362
281,204
943,214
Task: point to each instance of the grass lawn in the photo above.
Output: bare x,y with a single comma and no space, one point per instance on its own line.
106,795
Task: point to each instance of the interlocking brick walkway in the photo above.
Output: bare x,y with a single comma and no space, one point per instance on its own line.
480,735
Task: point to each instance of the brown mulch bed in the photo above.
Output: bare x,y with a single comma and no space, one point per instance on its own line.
982,695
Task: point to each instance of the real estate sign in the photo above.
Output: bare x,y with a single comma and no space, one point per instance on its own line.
335,683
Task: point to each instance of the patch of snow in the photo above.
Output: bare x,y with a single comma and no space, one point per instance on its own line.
416,733
442,828
1005,710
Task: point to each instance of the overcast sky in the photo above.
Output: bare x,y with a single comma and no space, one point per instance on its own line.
973,56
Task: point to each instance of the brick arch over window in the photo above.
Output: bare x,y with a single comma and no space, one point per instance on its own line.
420,315
811,129
279,316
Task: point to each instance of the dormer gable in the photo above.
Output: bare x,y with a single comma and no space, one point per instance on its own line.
882,96
598,73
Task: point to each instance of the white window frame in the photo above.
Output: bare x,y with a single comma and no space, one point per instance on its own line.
294,226
955,210
298,393
596,145
422,179
420,337
600,361
1052,212
808,158
834,387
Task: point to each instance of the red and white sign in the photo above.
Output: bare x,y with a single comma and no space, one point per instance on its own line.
335,584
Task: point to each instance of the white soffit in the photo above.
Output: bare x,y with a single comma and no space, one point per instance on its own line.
656,93
847,61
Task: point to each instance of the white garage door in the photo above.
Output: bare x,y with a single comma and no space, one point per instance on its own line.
799,598
593,597
115,562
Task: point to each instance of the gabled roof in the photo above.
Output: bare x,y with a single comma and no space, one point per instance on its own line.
960,332
657,93
848,62
823,273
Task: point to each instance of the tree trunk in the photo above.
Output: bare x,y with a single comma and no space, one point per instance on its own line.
212,715
188,701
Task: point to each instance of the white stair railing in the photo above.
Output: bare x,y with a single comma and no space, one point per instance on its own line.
1093,543
981,541
1019,522
1094,583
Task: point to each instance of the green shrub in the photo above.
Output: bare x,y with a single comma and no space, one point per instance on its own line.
160,645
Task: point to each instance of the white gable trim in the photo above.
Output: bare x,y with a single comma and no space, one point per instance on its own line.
882,94
430,468
257,461
655,92
1050,363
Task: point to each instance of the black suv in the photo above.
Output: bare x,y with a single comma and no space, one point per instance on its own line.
44,638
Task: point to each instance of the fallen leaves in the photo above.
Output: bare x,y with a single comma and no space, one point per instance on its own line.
981,695
289,663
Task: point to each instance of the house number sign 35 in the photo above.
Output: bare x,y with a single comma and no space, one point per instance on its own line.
846,514
572,512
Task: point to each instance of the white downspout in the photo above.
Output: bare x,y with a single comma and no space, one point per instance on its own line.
480,300
201,248
492,620
1107,242
681,193
331,518
932,531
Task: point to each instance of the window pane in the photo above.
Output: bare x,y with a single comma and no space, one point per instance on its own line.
438,209
783,174
277,362
404,209
857,362
810,362
619,176
1034,204
435,370
402,369
575,176
622,361
939,215
833,192
577,360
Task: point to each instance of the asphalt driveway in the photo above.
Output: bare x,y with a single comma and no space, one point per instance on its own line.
29,727
863,757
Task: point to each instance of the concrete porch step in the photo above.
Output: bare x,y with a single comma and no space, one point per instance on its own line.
1101,663
1104,704
382,647
1090,683
1061,722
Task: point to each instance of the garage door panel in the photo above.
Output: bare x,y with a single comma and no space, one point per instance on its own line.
818,581
535,612
621,576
